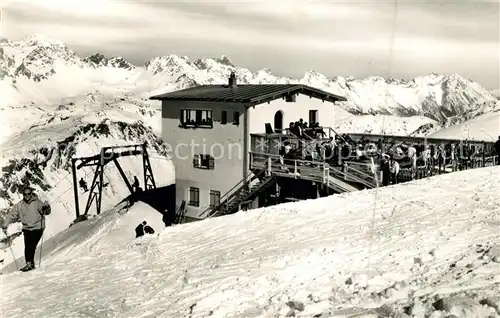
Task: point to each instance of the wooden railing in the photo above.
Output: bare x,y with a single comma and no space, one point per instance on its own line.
307,169
232,193
366,174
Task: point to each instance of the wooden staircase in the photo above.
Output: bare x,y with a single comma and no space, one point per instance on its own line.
350,174
242,192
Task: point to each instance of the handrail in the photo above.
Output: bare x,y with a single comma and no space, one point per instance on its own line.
229,193
322,166
278,156
360,172
336,134
287,130
364,178
338,173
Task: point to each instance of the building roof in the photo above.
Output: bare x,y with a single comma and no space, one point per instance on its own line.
248,94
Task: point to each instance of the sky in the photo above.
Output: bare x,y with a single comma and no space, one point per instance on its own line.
336,38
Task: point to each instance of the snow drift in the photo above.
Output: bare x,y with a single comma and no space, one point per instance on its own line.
112,229
410,252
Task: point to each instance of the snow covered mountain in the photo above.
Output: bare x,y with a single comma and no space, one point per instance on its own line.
50,63
56,105
496,93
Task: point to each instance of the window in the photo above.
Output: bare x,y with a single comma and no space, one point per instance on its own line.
214,198
203,162
223,119
194,196
313,116
196,118
236,118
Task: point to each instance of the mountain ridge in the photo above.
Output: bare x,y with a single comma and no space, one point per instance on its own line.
440,97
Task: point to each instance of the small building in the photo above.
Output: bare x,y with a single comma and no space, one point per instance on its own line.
209,129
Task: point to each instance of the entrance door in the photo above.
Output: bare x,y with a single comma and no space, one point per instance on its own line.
313,116
214,198
278,121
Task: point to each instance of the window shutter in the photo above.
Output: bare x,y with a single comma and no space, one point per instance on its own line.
211,163
196,161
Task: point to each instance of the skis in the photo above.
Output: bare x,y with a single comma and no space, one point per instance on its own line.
6,242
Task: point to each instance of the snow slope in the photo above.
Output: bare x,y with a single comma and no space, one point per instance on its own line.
383,124
428,253
485,127
41,156
112,229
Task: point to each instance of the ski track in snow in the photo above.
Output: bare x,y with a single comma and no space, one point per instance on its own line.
251,263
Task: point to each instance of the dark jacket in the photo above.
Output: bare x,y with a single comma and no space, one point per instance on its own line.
31,214
148,229
139,230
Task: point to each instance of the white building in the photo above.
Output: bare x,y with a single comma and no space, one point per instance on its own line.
208,128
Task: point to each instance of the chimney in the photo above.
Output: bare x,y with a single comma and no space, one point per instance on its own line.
232,80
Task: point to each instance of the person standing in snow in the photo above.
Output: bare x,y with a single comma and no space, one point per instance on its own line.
412,155
31,211
394,171
441,159
386,170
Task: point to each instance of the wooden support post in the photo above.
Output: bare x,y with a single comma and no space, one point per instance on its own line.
75,187
483,153
324,173
246,146
269,165
295,169
124,177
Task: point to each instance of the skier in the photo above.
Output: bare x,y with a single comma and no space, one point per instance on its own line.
83,185
31,211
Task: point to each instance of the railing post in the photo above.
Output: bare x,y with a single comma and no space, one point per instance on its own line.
295,169
269,165
324,173
483,153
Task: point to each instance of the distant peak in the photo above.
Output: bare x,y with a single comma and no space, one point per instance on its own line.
225,60
99,59
41,39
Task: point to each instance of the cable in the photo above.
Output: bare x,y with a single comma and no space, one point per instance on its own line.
391,53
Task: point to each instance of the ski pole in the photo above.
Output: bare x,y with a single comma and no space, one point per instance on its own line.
41,250
13,256
41,242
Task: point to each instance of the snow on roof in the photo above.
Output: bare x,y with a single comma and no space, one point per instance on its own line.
485,127
340,253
